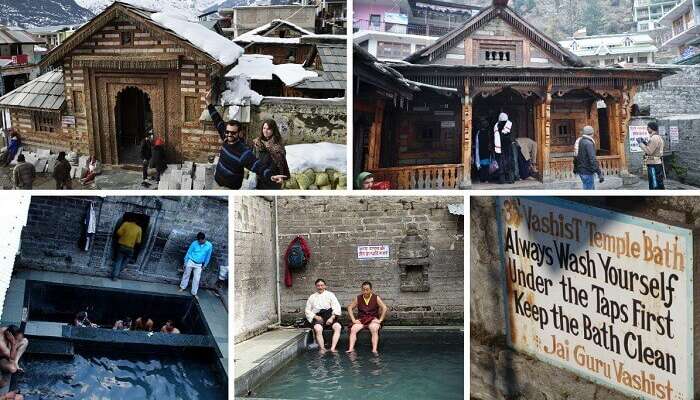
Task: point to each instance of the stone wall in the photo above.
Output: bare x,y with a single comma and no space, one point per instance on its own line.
686,152
335,226
51,238
302,120
677,94
499,372
255,296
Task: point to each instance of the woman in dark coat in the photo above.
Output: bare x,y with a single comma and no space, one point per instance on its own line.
269,149
503,144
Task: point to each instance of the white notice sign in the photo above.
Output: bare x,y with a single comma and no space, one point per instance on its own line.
674,134
637,132
371,252
601,293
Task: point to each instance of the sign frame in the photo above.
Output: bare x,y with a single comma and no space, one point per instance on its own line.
384,255
687,233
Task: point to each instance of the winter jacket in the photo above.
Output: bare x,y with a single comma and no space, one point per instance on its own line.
586,161
653,150
271,155
158,159
146,149
61,172
23,175
234,157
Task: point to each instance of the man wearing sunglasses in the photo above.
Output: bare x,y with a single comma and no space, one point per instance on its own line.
235,155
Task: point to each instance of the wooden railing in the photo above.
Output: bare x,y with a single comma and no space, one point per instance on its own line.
563,168
419,177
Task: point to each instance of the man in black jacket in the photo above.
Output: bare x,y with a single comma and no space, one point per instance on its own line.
146,154
585,161
235,155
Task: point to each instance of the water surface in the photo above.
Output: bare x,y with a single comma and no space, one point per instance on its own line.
407,367
114,377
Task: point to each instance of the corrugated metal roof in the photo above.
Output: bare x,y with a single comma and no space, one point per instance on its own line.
334,68
45,92
16,36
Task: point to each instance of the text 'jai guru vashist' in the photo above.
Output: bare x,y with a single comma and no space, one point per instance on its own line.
582,248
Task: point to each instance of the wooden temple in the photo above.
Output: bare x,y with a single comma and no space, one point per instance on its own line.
495,62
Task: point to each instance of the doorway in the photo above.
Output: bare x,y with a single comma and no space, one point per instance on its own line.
143,221
133,118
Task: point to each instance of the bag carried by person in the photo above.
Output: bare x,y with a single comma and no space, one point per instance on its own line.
493,167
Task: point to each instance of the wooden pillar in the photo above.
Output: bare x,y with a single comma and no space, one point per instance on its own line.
625,114
466,137
375,136
543,136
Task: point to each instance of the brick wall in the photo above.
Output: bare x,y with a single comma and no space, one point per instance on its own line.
54,226
678,94
255,299
335,226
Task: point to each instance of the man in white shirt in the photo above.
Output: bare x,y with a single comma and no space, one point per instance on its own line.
322,311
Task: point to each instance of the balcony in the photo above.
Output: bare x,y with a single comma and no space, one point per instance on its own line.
410,29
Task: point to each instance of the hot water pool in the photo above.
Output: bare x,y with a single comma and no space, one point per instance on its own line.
425,365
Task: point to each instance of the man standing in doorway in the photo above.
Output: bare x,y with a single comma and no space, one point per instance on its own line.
653,151
235,155
196,259
322,312
128,237
585,161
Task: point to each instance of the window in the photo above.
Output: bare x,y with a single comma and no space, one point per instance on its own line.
497,53
628,42
192,110
127,38
46,122
643,60
393,50
630,59
563,133
375,21
78,103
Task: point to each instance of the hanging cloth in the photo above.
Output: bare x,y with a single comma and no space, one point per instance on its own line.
90,227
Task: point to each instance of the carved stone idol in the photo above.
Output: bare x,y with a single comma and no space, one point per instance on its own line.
414,260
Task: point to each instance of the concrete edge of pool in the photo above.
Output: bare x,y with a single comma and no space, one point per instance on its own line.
213,312
261,356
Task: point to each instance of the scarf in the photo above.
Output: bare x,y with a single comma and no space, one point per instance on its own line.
497,135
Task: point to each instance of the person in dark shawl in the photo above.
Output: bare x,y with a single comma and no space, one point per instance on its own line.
483,149
269,149
503,145
371,311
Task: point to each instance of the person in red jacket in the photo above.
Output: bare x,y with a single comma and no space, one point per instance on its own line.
371,311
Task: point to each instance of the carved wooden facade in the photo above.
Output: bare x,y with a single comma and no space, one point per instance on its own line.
497,62
124,48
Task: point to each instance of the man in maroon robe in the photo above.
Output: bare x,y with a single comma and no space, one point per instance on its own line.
371,311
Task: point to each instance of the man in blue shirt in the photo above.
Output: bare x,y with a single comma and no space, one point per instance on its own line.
196,259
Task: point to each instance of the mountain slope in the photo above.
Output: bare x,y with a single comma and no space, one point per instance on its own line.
27,13
561,18
191,7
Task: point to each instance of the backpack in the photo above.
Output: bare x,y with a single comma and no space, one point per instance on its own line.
296,258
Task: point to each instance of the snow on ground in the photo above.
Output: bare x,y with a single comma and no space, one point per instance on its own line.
256,66
317,156
217,46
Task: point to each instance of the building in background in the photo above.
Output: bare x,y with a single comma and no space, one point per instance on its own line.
392,30
239,20
332,17
647,13
53,36
602,50
17,58
683,39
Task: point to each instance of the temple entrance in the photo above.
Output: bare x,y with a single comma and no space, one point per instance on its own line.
486,110
133,118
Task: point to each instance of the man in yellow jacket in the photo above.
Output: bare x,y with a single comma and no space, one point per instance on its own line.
129,236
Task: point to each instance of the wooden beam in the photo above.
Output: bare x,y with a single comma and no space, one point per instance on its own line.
375,136
544,141
625,114
466,136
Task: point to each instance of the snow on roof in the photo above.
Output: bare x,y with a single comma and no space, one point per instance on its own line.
265,39
594,43
218,47
260,67
239,93
317,156
273,24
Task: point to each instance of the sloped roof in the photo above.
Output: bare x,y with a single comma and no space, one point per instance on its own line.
610,44
16,36
442,45
261,33
144,14
333,73
44,92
